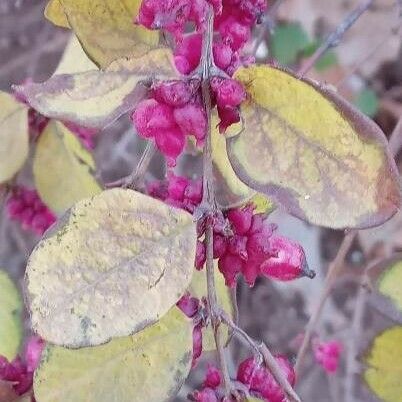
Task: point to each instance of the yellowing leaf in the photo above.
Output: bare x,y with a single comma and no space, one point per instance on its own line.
312,152
97,98
115,264
150,366
384,373
74,59
62,168
262,204
198,288
10,317
390,284
54,12
105,28
13,136
230,191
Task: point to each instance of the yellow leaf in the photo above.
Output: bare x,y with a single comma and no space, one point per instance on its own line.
262,204
105,28
390,284
13,136
150,366
74,59
198,288
384,373
115,264
97,98
312,152
10,317
54,12
230,191
62,168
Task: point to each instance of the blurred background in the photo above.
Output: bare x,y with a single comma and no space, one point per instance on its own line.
365,67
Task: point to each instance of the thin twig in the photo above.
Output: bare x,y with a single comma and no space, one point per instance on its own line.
268,25
334,269
209,204
134,179
357,321
334,37
395,140
262,352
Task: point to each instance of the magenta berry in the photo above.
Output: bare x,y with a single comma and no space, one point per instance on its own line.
288,261
212,377
328,354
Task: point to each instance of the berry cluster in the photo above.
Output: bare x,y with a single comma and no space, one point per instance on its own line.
327,354
24,205
243,241
257,379
173,111
249,246
19,372
177,191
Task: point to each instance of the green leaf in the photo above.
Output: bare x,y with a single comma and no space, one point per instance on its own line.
367,102
97,98
313,153
149,366
384,371
62,168
13,136
287,42
115,264
105,28
10,317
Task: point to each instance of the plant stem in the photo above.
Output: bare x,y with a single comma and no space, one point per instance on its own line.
209,203
334,269
335,36
262,351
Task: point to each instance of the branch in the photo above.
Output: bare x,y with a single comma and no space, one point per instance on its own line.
263,354
395,140
334,37
208,204
334,270
134,179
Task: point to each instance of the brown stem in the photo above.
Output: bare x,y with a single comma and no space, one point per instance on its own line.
208,204
262,352
335,36
334,270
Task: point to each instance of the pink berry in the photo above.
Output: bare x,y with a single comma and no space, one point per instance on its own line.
234,32
288,261
212,378
192,120
188,53
205,395
200,256
174,93
230,266
328,354
220,245
171,143
240,219
188,305
197,343
33,352
229,93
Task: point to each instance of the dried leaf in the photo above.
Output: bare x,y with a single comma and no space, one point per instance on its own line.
313,153
384,373
149,366
198,288
115,264
13,136
62,169
105,28
97,98
10,317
